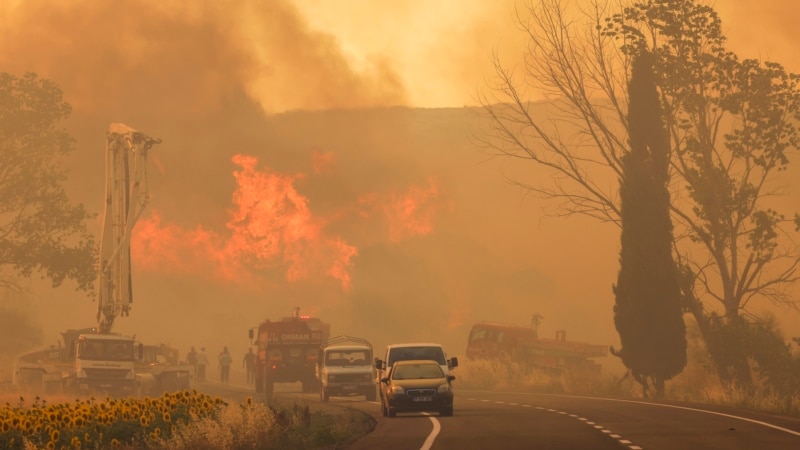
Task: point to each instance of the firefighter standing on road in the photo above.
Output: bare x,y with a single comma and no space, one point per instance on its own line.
191,359
225,361
249,363
202,362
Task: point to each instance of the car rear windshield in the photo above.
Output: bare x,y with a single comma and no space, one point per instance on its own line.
408,353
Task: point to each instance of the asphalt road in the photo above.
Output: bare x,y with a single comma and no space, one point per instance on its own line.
510,420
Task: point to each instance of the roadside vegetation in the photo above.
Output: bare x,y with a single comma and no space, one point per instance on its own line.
179,420
697,383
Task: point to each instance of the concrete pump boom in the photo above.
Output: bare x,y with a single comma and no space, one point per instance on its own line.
126,197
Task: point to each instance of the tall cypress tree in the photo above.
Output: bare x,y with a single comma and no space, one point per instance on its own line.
647,311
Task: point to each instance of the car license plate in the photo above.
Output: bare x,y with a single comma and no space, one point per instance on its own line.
349,387
421,399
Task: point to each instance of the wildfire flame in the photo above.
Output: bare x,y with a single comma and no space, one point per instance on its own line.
411,213
271,226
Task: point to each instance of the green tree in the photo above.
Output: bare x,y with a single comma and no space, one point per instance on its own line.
40,231
647,311
731,124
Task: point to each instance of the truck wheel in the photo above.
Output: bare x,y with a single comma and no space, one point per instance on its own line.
371,395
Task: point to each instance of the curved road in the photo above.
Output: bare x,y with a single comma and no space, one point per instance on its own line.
510,420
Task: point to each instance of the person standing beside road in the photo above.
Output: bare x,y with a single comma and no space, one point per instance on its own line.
249,363
225,361
191,360
202,362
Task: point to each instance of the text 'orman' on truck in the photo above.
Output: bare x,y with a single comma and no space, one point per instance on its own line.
287,351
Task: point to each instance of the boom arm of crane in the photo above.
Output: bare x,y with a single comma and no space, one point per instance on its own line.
126,197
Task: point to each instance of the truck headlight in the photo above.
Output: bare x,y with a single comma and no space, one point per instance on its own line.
398,390
444,388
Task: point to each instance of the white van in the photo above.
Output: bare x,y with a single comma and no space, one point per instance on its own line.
409,351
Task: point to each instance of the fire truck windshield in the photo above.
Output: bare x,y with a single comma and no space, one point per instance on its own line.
105,350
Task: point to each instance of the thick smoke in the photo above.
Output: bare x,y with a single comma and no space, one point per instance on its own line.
383,212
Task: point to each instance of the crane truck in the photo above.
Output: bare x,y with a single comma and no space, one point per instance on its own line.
96,359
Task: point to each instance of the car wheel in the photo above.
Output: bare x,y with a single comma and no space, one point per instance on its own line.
392,412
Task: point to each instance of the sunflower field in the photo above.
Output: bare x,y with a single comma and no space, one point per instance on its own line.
110,423
184,420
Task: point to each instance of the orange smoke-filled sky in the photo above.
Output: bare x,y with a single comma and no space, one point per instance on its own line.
313,54
219,80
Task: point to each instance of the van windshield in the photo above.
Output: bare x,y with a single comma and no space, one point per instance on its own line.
423,352
109,350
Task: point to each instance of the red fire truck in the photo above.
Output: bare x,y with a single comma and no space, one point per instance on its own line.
522,344
287,351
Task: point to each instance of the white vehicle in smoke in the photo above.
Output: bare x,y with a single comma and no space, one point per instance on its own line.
344,368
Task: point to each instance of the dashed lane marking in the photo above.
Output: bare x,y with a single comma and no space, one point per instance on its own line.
600,428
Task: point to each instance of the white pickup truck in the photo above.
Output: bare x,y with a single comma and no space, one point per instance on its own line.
344,368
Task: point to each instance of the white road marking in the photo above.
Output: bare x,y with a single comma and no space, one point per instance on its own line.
600,428
435,432
685,408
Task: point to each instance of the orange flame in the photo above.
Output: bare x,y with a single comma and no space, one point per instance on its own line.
270,225
322,162
411,213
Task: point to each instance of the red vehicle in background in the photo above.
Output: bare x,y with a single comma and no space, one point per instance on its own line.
522,344
287,351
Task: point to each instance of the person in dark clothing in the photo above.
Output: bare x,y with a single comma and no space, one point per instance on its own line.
225,361
249,363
